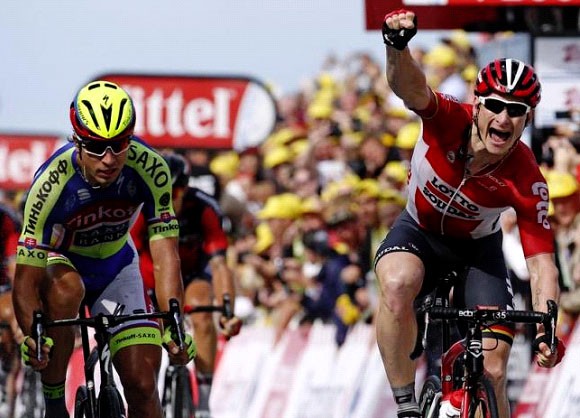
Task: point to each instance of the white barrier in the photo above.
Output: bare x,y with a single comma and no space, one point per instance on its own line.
554,393
304,376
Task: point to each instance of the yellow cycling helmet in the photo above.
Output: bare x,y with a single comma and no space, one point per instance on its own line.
102,110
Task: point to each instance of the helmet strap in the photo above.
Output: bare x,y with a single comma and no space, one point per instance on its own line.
476,122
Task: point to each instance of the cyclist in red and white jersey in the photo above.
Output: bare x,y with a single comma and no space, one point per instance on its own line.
468,166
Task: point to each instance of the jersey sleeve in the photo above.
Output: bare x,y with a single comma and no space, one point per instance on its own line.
158,204
532,209
37,236
447,117
215,240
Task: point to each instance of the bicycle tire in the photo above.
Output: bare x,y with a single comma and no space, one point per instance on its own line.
32,396
183,403
430,397
110,403
81,405
485,400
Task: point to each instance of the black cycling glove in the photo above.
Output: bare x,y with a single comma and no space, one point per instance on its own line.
398,38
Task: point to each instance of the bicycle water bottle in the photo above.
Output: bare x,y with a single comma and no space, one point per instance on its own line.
451,405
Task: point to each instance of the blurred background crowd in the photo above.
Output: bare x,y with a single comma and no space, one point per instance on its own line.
306,210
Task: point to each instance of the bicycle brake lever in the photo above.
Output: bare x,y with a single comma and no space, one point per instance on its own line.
551,323
37,332
177,322
227,306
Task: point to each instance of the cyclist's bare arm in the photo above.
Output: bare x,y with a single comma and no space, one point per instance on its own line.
544,286
543,280
26,294
223,283
405,76
26,300
167,271
222,278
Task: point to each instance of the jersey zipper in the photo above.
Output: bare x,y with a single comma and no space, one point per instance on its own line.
465,177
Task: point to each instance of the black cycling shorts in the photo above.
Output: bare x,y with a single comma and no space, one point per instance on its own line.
484,278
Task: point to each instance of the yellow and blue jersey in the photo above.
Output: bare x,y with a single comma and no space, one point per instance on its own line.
66,215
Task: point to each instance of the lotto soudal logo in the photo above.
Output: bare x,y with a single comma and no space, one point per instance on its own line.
199,112
440,193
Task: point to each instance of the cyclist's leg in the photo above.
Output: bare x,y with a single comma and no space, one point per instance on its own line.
136,345
400,272
61,297
199,292
495,362
487,283
138,368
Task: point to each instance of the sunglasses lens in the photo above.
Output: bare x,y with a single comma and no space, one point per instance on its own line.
516,110
99,148
513,109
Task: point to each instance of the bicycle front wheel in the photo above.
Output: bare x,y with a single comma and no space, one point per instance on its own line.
484,404
111,404
430,398
81,404
178,402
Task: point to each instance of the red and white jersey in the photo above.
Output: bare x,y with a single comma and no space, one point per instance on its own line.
445,200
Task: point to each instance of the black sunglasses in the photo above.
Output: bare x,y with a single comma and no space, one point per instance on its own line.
495,105
99,148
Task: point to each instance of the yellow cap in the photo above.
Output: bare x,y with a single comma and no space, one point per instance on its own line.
281,206
441,56
277,156
320,110
394,196
398,112
469,73
326,81
368,187
408,135
300,146
225,164
340,188
311,205
396,170
460,38
281,137
387,139
264,238
561,184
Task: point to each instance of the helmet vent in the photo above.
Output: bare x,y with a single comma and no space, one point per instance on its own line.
121,110
91,112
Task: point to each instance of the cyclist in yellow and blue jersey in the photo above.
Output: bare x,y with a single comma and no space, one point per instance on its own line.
75,248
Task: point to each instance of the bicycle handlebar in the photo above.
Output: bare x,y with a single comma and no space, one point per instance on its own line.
480,315
102,322
225,309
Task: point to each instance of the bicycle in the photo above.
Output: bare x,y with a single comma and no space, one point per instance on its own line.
108,403
462,361
177,398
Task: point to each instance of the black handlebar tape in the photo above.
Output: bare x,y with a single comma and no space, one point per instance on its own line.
227,304
177,322
38,332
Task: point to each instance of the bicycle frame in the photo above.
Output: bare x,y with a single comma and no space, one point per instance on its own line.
474,380
101,354
171,400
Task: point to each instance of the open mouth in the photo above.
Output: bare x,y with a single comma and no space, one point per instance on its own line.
498,135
